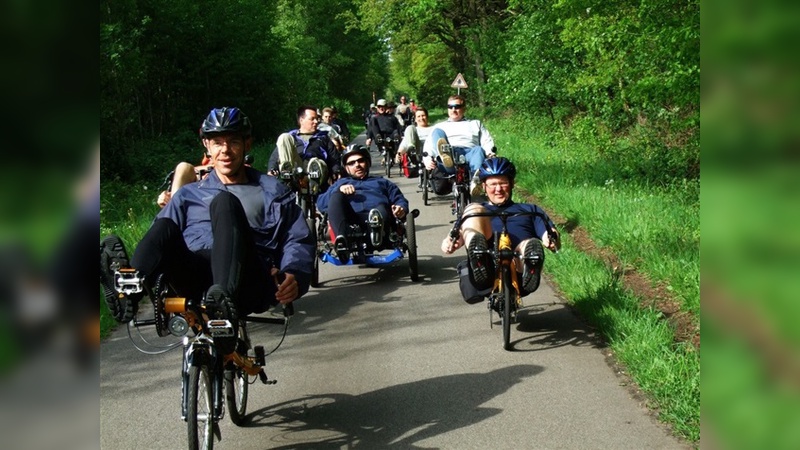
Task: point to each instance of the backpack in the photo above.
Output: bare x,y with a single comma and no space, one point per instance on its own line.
410,166
441,183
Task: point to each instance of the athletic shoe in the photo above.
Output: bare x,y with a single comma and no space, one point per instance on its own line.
342,249
220,306
114,257
445,153
475,187
478,258
532,265
314,175
375,228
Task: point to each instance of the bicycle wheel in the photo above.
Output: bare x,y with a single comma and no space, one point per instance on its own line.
387,163
508,298
425,181
411,235
199,417
236,383
463,201
312,227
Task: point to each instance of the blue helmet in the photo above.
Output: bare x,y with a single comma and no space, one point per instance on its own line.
497,167
226,120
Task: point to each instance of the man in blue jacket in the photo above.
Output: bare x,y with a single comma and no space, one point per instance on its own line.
359,198
237,235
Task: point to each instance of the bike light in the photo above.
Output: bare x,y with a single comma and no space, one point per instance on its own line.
178,326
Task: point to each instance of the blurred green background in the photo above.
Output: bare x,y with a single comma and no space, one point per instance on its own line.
750,206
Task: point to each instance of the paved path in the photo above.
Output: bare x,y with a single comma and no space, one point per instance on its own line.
375,361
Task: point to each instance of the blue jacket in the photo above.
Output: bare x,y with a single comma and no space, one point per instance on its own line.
370,192
522,227
283,240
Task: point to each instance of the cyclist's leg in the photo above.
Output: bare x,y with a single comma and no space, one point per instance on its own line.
341,213
475,225
163,250
184,174
287,151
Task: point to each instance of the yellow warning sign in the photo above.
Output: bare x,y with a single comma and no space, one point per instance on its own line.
459,82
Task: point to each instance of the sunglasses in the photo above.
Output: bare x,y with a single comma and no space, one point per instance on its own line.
353,162
455,106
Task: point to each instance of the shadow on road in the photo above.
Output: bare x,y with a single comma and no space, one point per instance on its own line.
394,417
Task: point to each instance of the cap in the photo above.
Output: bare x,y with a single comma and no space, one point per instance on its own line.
381,102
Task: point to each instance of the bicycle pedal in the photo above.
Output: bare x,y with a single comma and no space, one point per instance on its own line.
220,328
128,281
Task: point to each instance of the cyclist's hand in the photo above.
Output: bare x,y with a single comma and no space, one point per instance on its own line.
163,198
553,244
347,189
368,142
430,164
449,245
272,173
398,211
287,288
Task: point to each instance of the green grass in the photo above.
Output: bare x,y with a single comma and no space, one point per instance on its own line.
653,229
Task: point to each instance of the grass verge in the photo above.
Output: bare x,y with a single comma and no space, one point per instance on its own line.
631,227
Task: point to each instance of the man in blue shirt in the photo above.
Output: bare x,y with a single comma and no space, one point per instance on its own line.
528,234
358,198
237,235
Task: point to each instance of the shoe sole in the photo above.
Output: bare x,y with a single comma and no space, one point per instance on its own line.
479,264
447,159
532,274
112,257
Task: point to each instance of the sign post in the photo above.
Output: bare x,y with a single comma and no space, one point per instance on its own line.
459,83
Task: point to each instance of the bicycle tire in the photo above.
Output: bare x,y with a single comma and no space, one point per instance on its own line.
411,237
236,382
312,227
200,414
463,201
508,294
387,163
425,182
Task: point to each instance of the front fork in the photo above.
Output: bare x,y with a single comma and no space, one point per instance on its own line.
201,352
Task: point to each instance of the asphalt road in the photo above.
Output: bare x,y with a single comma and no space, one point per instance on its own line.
373,360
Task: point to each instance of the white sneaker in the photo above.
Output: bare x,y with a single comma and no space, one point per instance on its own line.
445,153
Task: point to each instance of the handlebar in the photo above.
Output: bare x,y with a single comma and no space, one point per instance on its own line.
551,232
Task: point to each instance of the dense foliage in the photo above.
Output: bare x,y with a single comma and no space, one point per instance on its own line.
165,64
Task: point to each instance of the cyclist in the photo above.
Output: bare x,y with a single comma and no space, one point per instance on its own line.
236,235
308,147
357,198
459,136
383,124
528,233
415,135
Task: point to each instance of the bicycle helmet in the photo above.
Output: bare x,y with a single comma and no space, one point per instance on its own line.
226,120
356,149
497,167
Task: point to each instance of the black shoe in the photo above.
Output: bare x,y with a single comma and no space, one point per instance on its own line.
342,250
375,228
478,258
532,265
114,257
220,306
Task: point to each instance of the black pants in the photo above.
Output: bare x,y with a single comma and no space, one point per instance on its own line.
341,213
232,261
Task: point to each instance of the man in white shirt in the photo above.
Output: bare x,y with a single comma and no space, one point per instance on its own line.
459,136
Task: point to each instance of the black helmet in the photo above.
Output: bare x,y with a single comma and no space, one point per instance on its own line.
226,120
497,167
356,149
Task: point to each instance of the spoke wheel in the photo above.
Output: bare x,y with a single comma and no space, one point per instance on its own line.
508,298
199,417
411,236
236,383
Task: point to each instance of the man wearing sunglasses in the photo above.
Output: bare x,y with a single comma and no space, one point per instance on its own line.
358,199
459,136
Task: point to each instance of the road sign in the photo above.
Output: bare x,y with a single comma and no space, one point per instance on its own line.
459,82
